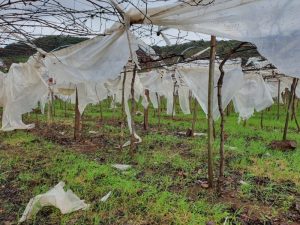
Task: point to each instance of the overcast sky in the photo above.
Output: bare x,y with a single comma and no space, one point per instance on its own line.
99,27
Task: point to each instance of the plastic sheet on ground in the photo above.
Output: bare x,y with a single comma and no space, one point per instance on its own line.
65,201
122,167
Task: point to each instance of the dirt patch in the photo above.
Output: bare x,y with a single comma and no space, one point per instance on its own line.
287,145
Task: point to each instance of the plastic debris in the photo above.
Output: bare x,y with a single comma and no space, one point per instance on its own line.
93,132
65,201
104,198
122,167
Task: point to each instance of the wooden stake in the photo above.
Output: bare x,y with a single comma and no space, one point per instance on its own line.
174,100
123,108
261,119
278,99
293,87
65,108
132,138
295,102
146,111
49,112
77,126
158,110
209,111
53,104
101,112
194,117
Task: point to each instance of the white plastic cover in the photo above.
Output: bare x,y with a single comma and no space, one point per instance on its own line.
254,95
22,88
94,60
184,101
65,201
273,26
196,78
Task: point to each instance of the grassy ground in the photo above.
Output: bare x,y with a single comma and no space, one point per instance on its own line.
166,184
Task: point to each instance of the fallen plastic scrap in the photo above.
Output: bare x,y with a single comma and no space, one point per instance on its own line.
93,132
200,134
66,201
139,113
104,198
195,134
122,167
139,140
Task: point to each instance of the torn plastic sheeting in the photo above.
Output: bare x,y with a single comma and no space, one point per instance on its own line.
23,87
184,101
271,25
105,197
65,201
253,96
97,59
122,167
196,78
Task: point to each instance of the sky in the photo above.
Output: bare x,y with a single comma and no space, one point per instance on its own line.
98,27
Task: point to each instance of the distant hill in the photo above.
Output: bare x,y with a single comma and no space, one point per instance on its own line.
223,47
19,52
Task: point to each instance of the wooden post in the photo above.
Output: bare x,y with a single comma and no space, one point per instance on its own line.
261,119
123,92
278,99
194,116
210,110
293,87
101,112
123,108
132,138
158,110
294,114
53,104
65,108
146,111
49,111
77,126
174,101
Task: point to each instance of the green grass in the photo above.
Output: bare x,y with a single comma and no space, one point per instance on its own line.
161,187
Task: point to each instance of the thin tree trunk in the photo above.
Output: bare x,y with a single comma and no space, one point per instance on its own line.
222,136
278,99
209,111
146,111
289,109
294,114
132,138
53,104
65,108
261,119
221,111
194,117
227,110
77,126
123,108
158,110
174,101
101,112
37,118
49,111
